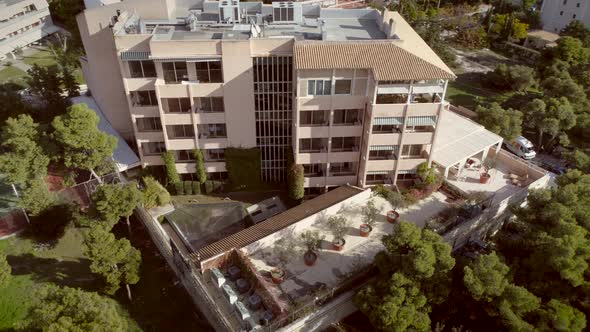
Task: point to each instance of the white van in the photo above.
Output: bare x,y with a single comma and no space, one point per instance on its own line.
522,147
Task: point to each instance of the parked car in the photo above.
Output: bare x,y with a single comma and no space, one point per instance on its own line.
522,147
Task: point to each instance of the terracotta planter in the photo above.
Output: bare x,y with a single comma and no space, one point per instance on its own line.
338,244
392,216
309,258
484,178
277,275
365,230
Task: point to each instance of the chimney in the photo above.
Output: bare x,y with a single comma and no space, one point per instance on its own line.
323,29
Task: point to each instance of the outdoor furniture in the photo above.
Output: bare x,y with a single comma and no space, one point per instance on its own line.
267,316
243,312
217,277
229,294
243,285
234,272
254,301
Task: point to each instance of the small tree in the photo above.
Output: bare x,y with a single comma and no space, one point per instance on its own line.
171,172
69,81
283,250
201,173
46,83
396,200
5,270
83,145
338,226
370,213
488,165
295,182
311,240
36,197
115,260
154,194
114,201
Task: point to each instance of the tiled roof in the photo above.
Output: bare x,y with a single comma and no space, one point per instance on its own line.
276,223
387,60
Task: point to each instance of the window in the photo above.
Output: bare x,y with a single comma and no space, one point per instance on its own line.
578,5
319,87
411,151
313,118
561,13
313,145
176,105
209,104
347,117
376,178
212,130
180,131
214,154
386,129
144,98
564,2
184,155
144,68
153,148
209,72
406,176
574,16
284,14
343,144
381,155
342,169
149,124
423,98
392,98
314,170
175,72
217,176
342,87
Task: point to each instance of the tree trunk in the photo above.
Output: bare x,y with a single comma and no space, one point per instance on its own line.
96,176
128,225
129,292
540,142
438,5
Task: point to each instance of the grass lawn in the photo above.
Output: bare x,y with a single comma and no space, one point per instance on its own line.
64,264
42,58
11,74
468,90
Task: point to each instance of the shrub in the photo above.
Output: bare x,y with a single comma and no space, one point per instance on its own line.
295,182
196,187
36,197
188,187
154,194
370,213
311,240
243,166
178,188
201,173
412,196
170,163
381,190
395,199
338,225
161,219
213,186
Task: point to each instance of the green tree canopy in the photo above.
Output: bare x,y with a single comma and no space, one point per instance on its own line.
577,29
115,260
572,51
46,83
170,164
36,197
201,173
83,144
73,310
486,278
154,194
295,182
113,201
558,316
22,159
506,123
517,77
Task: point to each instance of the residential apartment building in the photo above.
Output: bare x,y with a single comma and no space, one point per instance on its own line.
353,94
557,14
23,22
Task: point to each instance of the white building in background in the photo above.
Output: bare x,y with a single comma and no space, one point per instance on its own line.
98,3
23,22
557,14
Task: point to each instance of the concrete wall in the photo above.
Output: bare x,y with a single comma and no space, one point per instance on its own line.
555,15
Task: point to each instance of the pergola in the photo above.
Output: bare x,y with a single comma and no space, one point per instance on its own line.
459,139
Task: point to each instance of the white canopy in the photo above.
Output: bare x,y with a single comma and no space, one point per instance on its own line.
459,138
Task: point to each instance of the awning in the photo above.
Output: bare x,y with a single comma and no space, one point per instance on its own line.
389,121
406,171
421,121
383,148
134,55
377,172
187,59
460,138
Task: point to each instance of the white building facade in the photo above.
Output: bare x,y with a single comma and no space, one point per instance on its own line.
557,14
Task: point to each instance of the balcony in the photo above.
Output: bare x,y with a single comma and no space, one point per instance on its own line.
341,180
379,165
384,139
423,109
182,143
418,138
150,136
388,110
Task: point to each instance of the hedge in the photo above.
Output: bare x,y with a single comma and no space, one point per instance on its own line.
243,166
200,172
188,187
178,188
196,188
212,186
154,194
170,163
295,181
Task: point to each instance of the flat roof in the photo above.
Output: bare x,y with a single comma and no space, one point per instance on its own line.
123,155
459,138
544,35
276,223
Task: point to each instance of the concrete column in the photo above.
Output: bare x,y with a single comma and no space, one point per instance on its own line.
484,154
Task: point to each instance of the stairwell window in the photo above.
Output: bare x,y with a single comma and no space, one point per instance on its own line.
319,87
342,87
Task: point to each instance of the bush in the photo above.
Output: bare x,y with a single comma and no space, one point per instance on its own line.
200,172
170,163
196,188
295,181
381,190
178,188
519,78
213,186
188,187
154,194
243,166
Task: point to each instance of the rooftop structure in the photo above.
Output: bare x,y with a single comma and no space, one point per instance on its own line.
354,93
23,22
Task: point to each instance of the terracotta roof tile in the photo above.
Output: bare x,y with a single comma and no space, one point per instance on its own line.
387,60
276,223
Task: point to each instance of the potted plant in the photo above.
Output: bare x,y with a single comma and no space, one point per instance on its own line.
311,240
370,214
396,200
485,176
338,226
283,250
